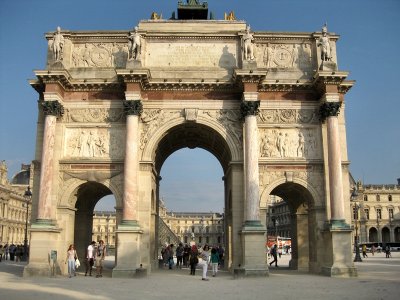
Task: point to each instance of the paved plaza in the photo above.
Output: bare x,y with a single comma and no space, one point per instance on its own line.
379,278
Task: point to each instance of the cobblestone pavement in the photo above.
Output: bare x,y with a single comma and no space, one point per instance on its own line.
379,278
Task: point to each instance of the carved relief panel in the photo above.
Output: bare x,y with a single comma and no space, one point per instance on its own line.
288,116
94,142
100,55
288,56
290,143
93,115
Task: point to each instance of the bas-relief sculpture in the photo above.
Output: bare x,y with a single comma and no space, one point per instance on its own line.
93,143
93,115
288,116
287,56
289,143
91,55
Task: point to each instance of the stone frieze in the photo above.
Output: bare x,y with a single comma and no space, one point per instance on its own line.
288,116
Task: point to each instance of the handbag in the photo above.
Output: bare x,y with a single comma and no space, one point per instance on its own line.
77,263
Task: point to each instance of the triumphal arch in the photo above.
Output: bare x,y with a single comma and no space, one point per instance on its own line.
113,105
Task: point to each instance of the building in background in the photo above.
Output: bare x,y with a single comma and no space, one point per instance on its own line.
104,225
376,212
13,205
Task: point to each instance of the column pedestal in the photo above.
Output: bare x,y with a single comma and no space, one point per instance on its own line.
254,252
128,257
44,240
341,264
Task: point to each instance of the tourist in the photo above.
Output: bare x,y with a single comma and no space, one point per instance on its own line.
373,249
1,252
186,254
274,253
193,260
6,251
170,256
214,261
364,251
90,255
221,252
71,256
179,255
101,253
205,260
387,251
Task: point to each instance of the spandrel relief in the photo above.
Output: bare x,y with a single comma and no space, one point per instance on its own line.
93,115
100,55
94,143
152,119
289,143
286,56
288,116
230,120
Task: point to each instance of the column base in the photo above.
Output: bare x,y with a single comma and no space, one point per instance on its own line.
340,271
254,251
128,257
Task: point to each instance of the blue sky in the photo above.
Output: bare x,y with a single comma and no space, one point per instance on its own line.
368,49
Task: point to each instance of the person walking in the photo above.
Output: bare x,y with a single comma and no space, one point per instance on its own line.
1,252
214,261
179,256
364,251
205,260
274,253
101,253
90,255
193,260
71,257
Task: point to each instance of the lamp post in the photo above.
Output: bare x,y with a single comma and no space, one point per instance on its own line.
107,228
28,196
354,195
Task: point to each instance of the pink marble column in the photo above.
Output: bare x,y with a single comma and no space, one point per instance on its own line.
252,187
133,109
330,111
131,169
51,109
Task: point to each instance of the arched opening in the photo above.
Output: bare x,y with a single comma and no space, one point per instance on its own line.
192,160
385,235
373,235
290,215
397,235
94,222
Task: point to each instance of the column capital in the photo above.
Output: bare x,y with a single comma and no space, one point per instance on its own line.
249,108
329,109
53,108
133,107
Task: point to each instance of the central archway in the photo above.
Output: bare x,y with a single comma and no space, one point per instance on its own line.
191,135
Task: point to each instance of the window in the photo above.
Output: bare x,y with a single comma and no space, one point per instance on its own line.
365,197
378,213
391,213
366,211
378,198
355,213
390,197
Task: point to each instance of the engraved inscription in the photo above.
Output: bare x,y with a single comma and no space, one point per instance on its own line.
216,55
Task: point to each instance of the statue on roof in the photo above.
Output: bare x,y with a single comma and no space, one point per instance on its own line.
325,45
58,44
192,2
134,45
247,45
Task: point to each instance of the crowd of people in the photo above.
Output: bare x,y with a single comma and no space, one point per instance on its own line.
193,256
12,252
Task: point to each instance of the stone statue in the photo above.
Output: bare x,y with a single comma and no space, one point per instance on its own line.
134,45
58,44
325,45
247,45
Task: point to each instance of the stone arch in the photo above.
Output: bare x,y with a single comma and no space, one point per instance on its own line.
373,234
385,235
300,198
148,153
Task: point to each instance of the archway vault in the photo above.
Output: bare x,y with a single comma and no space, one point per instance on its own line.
192,135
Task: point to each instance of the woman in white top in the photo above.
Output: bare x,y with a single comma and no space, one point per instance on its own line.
205,260
71,256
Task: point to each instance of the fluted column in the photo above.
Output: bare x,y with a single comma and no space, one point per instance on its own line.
329,111
249,110
52,110
133,109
